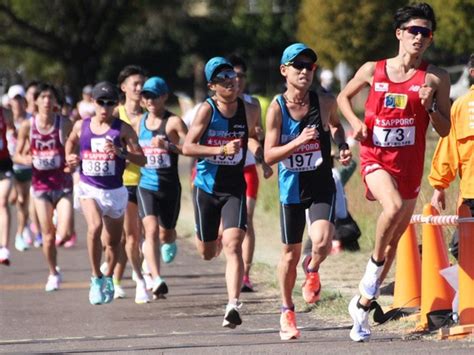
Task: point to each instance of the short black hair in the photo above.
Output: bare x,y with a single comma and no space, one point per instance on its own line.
237,61
414,11
42,87
30,84
471,61
129,70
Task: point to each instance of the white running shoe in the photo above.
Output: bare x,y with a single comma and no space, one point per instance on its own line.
53,283
4,256
232,317
20,243
360,330
119,292
27,237
104,267
148,281
369,286
141,293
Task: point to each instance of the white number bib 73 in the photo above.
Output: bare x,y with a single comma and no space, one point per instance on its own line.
306,158
46,159
393,136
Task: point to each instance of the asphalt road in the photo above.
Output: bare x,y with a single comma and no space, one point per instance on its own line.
188,321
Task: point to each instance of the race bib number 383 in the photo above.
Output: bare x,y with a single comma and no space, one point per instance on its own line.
306,158
98,164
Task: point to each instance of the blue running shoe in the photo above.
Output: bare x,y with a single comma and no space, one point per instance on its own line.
38,242
95,293
108,289
168,252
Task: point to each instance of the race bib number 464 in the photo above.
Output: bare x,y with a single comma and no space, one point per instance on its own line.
46,159
306,158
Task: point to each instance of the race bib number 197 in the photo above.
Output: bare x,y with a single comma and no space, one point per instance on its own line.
306,158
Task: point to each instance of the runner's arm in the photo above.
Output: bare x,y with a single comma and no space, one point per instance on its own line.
191,147
439,80
132,152
362,78
337,132
72,159
177,134
22,152
253,122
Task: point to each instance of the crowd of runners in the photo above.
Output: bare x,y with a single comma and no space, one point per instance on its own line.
116,159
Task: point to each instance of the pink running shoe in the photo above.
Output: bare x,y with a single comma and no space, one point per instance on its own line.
71,242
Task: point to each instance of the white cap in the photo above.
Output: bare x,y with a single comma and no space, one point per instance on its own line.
16,90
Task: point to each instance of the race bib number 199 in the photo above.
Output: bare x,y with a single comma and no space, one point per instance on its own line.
221,159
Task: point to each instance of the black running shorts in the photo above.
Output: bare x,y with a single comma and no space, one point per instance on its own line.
164,204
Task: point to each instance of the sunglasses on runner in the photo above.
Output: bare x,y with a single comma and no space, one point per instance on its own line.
149,95
224,75
300,65
414,30
105,103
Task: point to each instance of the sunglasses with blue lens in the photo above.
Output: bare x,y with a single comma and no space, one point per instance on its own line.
224,75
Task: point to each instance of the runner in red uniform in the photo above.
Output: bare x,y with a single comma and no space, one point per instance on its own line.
406,93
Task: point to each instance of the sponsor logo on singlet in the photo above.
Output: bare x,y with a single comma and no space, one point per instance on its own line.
381,87
398,101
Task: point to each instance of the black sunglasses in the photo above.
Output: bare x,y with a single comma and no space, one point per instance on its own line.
149,95
414,30
300,65
224,75
108,103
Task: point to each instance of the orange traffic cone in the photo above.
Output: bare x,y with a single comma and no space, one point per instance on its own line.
408,272
436,294
466,268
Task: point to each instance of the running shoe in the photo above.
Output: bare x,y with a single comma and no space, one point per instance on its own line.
59,242
369,286
108,289
71,242
168,252
288,328
20,244
26,234
148,281
96,296
360,330
232,317
104,268
160,288
141,293
4,256
246,285
38,242
311,288
53,283
119,292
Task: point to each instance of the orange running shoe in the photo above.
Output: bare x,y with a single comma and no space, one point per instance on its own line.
288,328
311,287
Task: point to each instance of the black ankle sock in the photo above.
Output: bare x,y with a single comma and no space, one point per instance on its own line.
378,263
365,308
284,308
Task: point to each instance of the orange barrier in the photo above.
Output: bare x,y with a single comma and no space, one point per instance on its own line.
436,294
408,272
466,279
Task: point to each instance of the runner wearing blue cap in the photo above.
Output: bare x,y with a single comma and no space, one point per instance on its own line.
159,190
220,134
299,125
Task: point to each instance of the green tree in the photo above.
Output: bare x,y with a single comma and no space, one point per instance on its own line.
351,30
74,34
